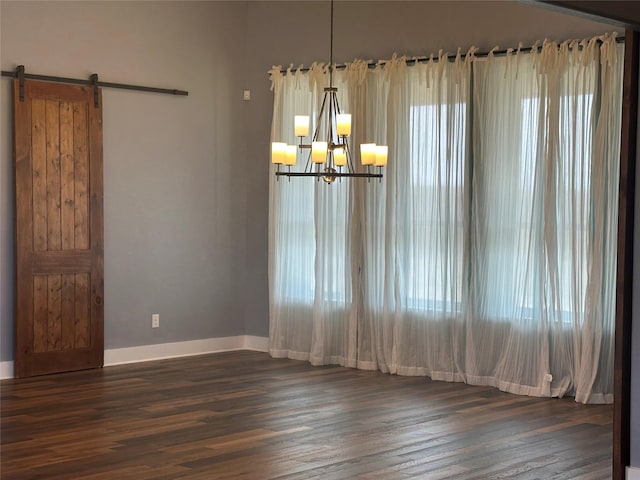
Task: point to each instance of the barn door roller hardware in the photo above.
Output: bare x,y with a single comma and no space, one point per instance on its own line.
93,82
20,75
96,95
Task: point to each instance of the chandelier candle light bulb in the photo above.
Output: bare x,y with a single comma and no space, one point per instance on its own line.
301,125
339,157
343,127
368,153
318,152
278,152
290,153
381,153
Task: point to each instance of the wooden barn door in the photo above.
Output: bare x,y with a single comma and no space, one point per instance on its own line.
59,232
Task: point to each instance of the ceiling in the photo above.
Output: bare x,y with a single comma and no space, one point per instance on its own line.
626,13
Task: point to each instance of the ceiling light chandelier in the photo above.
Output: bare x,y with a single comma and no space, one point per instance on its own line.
329,158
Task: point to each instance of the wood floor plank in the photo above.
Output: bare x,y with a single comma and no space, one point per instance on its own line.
243,415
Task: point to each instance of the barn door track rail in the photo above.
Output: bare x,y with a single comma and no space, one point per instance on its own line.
93,81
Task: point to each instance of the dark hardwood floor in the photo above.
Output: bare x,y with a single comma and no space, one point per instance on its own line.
243,415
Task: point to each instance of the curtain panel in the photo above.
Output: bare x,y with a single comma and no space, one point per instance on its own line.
487,253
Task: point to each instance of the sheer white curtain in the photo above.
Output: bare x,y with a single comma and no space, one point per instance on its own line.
414,242
543,230
487,253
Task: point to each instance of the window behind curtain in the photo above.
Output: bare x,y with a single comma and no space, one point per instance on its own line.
431,238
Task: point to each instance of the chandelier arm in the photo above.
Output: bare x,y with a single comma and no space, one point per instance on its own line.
342,141
307,166
330,159
316,133
335,99
350,165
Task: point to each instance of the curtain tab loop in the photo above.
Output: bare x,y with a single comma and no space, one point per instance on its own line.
508,62
470,55
518,59
275,74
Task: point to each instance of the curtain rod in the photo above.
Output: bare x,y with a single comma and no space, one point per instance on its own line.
91,83
412,61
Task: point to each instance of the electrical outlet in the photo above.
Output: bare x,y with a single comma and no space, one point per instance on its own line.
246,95
155,320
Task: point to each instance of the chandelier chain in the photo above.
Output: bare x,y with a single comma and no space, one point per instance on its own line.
331,50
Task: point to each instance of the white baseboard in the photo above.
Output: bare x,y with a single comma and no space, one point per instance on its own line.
6,370
633,473
145,353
